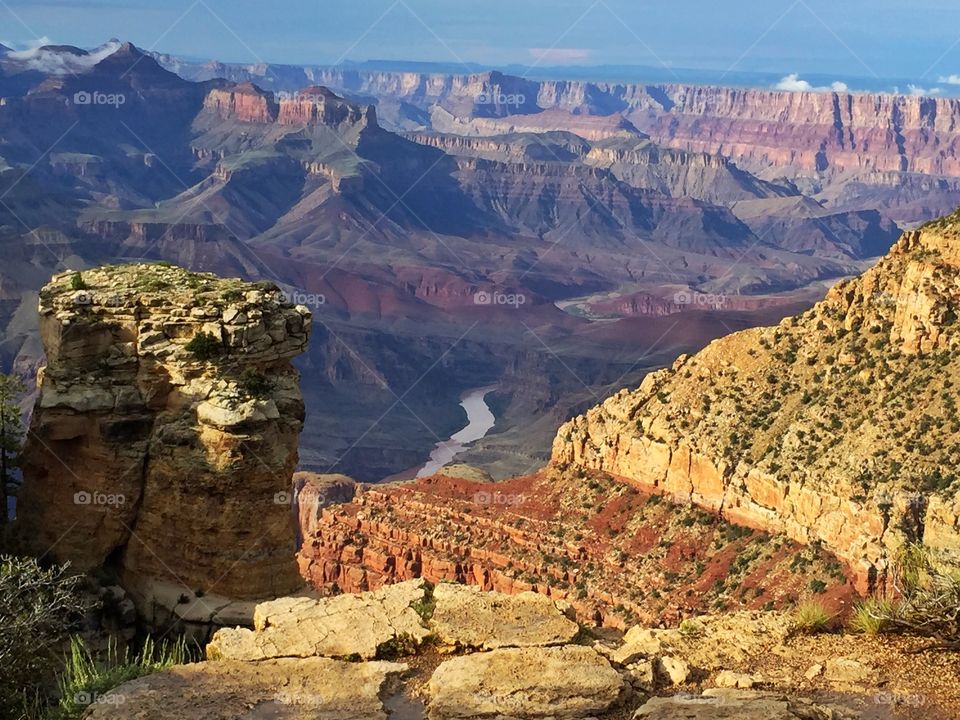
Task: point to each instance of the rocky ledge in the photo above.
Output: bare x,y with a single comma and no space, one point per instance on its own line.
412,651
164,437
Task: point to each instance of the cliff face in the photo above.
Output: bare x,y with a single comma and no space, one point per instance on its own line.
313,105
165,433
814,132
838,425
809,133
615,554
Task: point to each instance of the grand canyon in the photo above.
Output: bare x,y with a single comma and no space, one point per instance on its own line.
401,394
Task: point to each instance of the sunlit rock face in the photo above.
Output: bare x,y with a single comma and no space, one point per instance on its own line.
838,426
164,438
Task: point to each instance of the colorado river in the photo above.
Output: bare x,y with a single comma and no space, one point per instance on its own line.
480,420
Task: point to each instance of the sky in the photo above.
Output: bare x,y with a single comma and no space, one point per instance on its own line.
917,40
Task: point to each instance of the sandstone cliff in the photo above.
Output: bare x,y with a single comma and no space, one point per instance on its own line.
809,131
164,438
837,426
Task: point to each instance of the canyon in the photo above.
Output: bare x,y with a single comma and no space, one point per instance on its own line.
825,442
899,153
391,232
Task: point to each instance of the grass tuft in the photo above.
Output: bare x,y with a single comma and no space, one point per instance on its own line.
87,676
872,617
811,617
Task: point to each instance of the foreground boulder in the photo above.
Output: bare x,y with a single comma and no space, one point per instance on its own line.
465,616
558,682
285,689
164,437
359,626
720,704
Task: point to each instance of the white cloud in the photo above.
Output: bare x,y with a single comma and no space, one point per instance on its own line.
54,62
949,79
922,91
793,83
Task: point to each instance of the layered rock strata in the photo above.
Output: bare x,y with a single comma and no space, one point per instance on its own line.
614,554
838,426
164,438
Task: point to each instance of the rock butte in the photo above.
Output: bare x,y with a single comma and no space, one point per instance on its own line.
167,466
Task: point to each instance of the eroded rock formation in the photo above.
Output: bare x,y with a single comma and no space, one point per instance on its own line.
616,555
165,435
837,426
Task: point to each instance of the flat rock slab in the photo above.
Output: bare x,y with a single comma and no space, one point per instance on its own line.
467,617
563,683
341,626
711,643
721,704
286,689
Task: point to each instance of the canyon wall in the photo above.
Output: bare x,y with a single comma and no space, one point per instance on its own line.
806,132
615,554
164,438
837,426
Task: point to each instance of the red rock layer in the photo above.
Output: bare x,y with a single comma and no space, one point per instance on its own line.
623,558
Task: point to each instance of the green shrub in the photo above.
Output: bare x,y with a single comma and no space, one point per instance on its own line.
77,282
254,383
38,609
402,645
205,347
811,617
88,677
425,607
692,628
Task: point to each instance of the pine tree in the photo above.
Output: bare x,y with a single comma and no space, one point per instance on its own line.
11,435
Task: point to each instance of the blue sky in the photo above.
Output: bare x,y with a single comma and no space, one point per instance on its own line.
916,39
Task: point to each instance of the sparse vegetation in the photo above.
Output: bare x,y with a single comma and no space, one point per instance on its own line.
204,347
401,645
425,607
89,676
254,383
872,616
811,617
38,609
